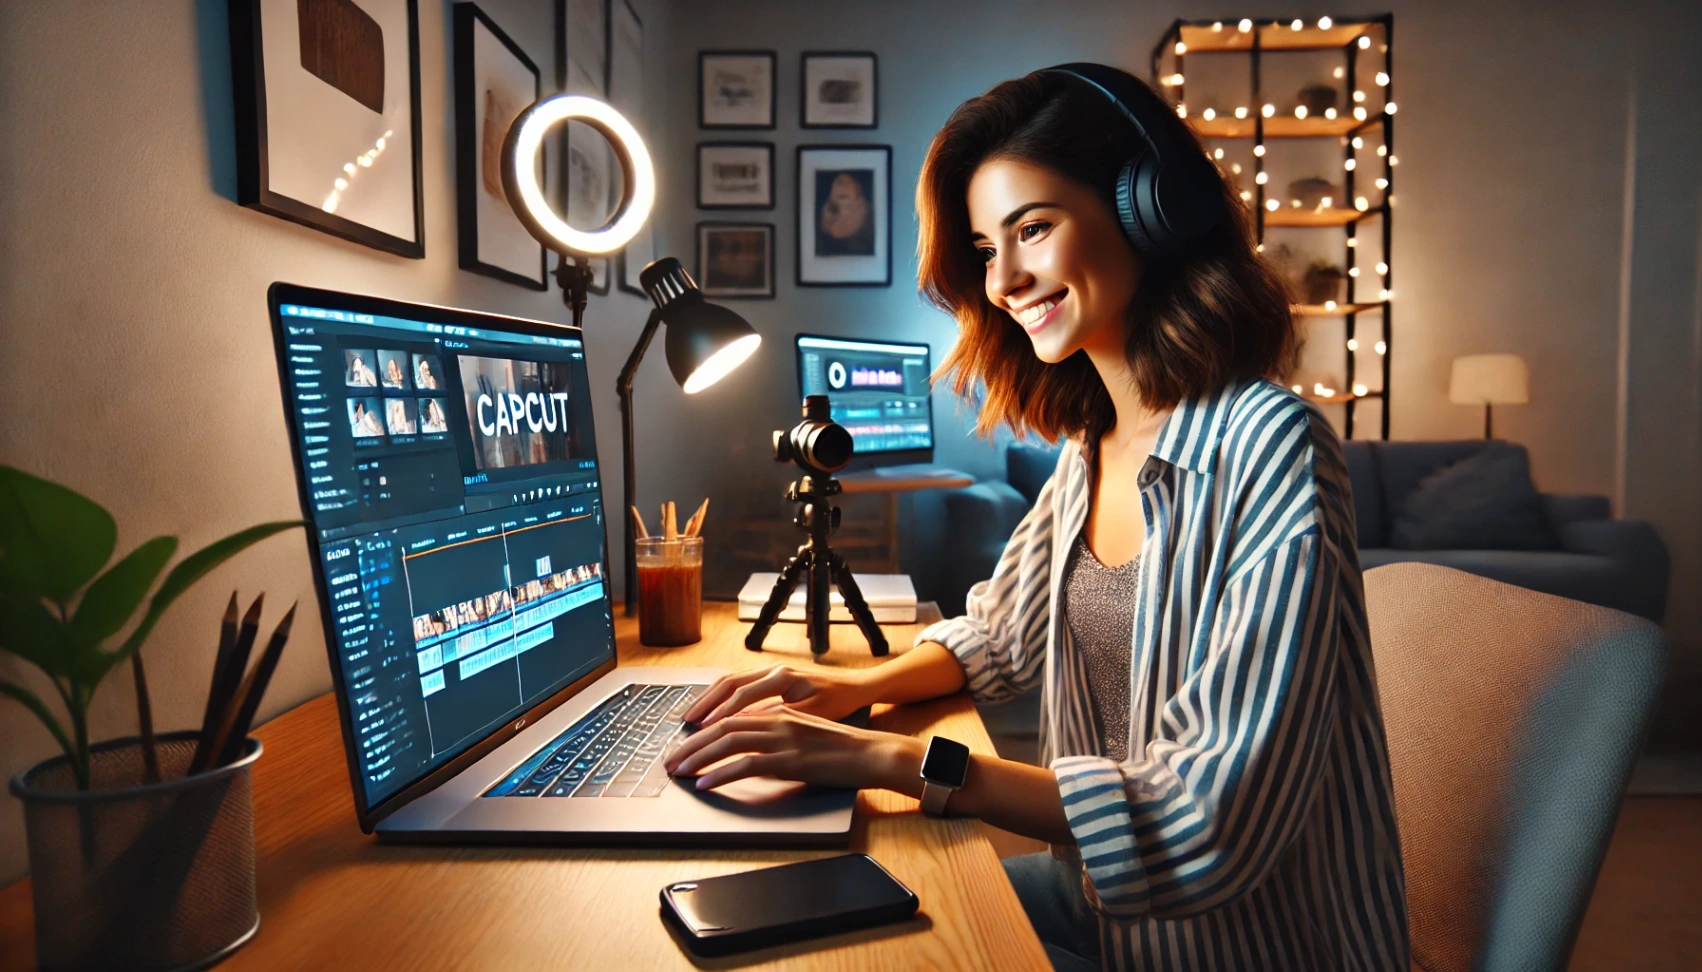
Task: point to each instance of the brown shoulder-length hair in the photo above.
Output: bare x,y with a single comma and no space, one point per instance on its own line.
1201,319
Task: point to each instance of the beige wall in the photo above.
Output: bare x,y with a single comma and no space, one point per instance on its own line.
136,361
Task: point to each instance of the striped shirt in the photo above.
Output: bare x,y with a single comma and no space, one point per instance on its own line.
1252,825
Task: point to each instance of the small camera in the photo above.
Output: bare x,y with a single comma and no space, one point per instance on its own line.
819,445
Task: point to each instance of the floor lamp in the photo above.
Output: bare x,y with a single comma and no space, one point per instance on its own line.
1489,380
705,341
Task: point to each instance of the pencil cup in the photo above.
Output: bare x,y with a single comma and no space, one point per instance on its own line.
136,875
670,591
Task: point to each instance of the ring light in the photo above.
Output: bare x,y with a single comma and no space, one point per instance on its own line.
520,175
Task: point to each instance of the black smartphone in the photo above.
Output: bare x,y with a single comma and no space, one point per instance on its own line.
753,909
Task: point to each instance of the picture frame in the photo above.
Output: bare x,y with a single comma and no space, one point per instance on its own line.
588,196
494,82
838,89
328,136
735,175
735,89
844,216
627,95
735,259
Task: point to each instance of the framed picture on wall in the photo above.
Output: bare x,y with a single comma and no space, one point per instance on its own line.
735,175
327,100
588,163
838,89
735,259
735,89
844,215
494,82
626,93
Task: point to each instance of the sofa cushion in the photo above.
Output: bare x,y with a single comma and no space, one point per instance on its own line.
1028,466
1583,577
1401,465
1369,524
1485,502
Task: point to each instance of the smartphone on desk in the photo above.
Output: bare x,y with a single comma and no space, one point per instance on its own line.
792,902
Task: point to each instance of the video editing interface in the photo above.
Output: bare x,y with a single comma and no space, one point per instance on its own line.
453,485
879,392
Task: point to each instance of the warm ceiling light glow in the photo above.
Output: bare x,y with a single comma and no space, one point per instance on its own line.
722,362
1390,107
1296,25
1268,110
1381,348
1330,113
1382,268
1394,161
1181,48
1262,178
1324,23
1337,74
1360,389
1271,204
1245,25
1209,114
1181,111
1246,196
1300,111
1217,27
1358,142
1235,167
1361,204
1359,96
1364,42
1329,305
1382,150
1353,344
520,174
1382,183
1259,149
1359,112
1349,165
1353,271
1382,79
1241,111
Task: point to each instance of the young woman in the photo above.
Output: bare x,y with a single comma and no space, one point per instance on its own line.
1186,589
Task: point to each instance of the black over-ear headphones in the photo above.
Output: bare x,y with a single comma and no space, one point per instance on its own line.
1167,197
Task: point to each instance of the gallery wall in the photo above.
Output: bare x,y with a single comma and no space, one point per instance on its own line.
1548,207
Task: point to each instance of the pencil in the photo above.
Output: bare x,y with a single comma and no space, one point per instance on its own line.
221,664
241,716
637,518
224,689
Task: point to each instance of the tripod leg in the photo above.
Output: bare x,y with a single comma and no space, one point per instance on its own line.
820,604
858,607
777,599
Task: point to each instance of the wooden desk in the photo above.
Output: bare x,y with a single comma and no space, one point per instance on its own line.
332,898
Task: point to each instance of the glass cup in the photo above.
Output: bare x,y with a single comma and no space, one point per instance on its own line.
670,591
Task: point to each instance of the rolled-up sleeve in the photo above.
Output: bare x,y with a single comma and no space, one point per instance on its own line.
1001,638
1202,815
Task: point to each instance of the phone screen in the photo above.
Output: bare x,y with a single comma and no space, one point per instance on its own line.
787,895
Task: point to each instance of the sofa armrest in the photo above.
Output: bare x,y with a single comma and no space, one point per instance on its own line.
1636,548
979,522
1564,509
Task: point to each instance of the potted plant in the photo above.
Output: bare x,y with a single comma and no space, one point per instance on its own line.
134,863
1323,282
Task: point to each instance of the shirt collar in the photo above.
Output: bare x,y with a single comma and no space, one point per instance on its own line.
1191,434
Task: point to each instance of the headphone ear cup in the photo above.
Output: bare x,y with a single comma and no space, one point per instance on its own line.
1131,208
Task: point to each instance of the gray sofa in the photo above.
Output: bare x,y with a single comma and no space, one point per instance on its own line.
1620,564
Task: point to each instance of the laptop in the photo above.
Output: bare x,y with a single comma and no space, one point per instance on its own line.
448,468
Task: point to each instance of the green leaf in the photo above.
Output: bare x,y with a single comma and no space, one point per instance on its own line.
52,539
33,702
189,570
30,631
111,600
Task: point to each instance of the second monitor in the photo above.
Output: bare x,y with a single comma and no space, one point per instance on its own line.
879,392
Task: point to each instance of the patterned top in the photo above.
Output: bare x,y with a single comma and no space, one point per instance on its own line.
1252,824
1099,608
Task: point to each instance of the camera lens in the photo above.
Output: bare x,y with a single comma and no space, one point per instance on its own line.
825,445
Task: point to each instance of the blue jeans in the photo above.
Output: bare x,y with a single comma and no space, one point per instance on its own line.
1050,891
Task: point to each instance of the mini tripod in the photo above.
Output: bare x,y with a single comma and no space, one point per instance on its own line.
820,519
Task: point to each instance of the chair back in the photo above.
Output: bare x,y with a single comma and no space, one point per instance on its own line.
1513,720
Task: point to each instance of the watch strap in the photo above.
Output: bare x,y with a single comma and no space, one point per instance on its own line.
934,797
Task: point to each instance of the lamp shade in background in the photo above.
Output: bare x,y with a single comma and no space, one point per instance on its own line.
1489,380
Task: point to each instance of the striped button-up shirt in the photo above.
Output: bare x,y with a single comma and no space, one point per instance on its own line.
1252,825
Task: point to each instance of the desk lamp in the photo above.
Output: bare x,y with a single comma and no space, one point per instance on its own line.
705,341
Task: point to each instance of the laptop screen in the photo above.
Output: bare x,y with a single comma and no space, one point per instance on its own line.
878,390
449,472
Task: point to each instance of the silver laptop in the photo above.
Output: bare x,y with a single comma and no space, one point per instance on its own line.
449,474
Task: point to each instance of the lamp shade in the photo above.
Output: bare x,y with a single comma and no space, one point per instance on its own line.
1489,379
705,341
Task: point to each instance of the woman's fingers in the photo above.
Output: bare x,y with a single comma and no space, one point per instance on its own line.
767,764
730,744
704,737
723,687
771,683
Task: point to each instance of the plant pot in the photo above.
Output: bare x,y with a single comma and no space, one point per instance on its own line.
134,875
1323,285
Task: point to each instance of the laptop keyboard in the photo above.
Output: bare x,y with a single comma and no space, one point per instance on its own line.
615,750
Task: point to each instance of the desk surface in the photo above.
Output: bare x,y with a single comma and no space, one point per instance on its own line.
331,897
903,479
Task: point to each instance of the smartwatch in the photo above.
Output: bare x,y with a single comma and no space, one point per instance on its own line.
943,769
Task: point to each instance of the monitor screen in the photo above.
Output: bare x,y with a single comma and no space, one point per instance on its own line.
449,474
879,390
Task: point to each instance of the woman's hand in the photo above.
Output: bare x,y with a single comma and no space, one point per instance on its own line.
819,691
793,745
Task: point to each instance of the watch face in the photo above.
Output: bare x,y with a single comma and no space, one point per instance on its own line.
947,761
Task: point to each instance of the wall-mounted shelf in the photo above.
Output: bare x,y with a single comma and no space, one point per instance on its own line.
1363,127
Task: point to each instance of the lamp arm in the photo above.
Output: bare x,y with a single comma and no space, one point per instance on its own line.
623,389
